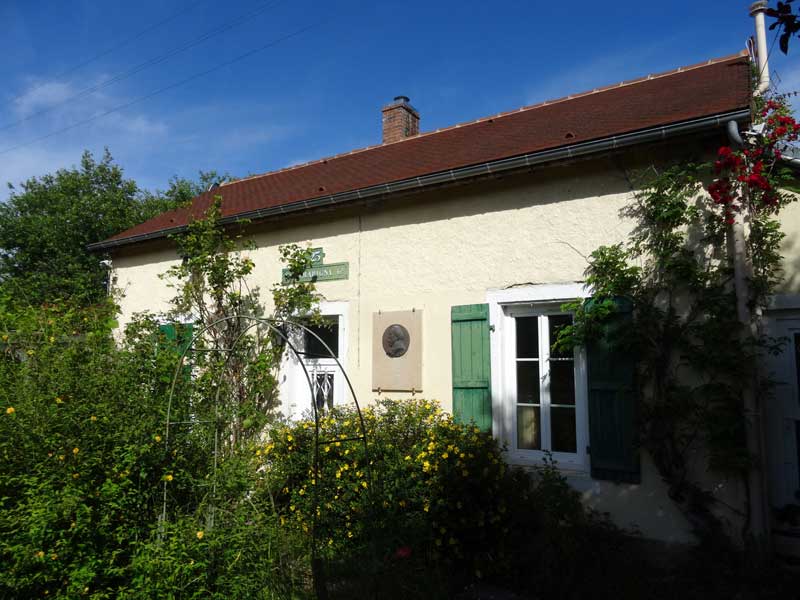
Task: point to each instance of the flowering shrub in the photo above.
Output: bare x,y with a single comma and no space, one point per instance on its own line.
80,460
424,487
749,177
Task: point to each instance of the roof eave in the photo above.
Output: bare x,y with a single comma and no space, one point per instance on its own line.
581,149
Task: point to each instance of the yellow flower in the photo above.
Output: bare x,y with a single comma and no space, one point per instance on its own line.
75,450
5,337
61,457
302,492
40,554
200,535
52,339
53,556
289,437
157,438
168,477
10,410
349,534
364,484
93,418
445,455
59,400
31,352
408,457
327,448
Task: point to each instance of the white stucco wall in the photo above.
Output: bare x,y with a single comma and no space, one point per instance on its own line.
428,252
439,249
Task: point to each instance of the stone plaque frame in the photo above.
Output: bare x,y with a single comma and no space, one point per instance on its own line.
397,351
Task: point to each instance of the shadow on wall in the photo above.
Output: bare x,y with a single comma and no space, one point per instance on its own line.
643,508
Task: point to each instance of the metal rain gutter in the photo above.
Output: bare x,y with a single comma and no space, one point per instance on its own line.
462,173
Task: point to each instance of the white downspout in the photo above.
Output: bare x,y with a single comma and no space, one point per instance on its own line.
759,525
757,12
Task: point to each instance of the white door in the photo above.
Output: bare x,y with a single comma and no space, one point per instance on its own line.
782,412
315,363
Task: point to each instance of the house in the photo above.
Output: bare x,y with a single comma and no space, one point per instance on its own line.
444,258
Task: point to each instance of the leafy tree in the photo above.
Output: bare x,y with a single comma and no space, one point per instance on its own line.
47,224
240,358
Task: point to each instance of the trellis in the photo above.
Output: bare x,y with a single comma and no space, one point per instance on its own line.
281,329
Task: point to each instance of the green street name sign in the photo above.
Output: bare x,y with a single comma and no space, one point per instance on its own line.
320,271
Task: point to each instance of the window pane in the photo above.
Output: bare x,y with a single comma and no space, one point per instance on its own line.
556,323
529,434
528,382
527,337
562,421
329,332
562,382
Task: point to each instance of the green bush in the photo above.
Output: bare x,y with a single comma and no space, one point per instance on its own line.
423,488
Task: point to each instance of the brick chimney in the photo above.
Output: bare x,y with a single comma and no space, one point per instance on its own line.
400,120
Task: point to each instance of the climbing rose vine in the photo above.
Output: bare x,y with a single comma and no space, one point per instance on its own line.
747,178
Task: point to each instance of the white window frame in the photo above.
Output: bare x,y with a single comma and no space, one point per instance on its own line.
504,307
293,382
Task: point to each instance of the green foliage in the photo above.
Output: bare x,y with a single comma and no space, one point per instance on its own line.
237,357
45,228
693,355
81,461
424,489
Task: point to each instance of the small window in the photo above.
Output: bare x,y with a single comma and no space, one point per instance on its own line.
328,331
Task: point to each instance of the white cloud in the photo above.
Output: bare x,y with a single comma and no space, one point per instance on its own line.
41,96
26,151
298,161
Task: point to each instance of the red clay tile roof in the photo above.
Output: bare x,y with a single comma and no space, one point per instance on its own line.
714,87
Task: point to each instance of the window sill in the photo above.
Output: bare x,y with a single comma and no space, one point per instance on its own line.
570,468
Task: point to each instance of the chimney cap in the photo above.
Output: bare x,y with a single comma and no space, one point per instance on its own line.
402,99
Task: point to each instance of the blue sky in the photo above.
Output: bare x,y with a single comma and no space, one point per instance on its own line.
319,92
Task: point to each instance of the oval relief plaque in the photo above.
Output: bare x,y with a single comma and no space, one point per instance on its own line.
396,340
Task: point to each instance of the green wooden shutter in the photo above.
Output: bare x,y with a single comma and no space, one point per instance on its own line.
472,398
179,335
179,338
613,444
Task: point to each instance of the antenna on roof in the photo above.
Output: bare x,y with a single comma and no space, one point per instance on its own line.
213,186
